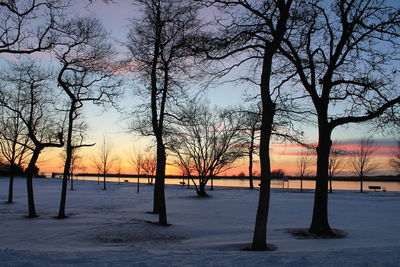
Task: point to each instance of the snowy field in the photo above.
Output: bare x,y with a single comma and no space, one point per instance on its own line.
109,228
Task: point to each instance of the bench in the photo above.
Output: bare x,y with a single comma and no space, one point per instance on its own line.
126,181
376,187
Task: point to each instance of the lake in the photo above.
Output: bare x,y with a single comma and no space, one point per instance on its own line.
292,184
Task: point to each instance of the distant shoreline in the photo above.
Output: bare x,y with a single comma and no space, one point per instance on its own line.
382,178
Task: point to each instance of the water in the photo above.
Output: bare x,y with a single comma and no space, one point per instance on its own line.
293,184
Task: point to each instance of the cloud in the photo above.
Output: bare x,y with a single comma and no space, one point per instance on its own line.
383,148
9,57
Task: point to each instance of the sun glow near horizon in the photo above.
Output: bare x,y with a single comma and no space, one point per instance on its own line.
283,156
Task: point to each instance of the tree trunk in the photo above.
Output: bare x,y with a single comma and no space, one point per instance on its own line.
29,183
251,185
267,119
330,185
361,183
260,229
301,183
137,187
159,193
61,211
71,178
201,192
319,224
104,181
67,165
11,185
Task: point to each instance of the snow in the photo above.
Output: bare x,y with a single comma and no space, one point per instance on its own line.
110,228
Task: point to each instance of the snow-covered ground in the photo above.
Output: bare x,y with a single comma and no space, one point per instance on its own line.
109,228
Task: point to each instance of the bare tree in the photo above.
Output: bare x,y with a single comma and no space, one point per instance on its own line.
75,164
119,168
13,136
304,162
78,141
207,143
29,26
251,129
137,162
149,165
87,74
138,168
336,162
394,162
362,160
253,33
104,159
42,123
158,43
336,49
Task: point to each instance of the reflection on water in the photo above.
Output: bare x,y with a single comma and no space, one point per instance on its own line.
293,184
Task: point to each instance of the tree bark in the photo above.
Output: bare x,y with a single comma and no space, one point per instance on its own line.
319,224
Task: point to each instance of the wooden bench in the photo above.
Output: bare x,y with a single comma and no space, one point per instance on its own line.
126,181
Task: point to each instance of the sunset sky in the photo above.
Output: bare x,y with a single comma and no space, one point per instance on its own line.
109,123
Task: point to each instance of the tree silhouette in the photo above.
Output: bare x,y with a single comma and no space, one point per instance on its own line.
253,34
104,159
13,136
86,74
119,168
137,161
158,43
37,114
29,26
394,162
362,159
336,162
76,160
337,50
251,129
304,162
149,165
207,143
